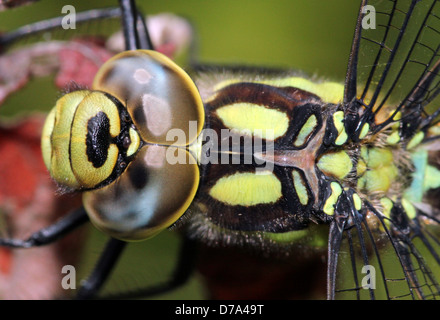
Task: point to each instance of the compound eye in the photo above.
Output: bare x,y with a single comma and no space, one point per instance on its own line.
158,94
78,140
151,195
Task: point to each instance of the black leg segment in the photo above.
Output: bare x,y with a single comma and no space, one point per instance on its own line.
50,233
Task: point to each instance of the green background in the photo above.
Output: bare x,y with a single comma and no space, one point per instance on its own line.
313,36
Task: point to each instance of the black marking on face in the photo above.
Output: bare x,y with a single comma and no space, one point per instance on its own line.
98,139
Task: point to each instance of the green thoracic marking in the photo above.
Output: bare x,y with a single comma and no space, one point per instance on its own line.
300,188
418,137
338,118
364,153
329,205
335,164
409,208
364,131
378,180
432,178
357,201
380,171
387,205
434,130
379,157
306,130
396,118
59,123
393,138
361,167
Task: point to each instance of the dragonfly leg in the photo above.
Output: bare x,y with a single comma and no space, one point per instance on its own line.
102,270
182,272
51,233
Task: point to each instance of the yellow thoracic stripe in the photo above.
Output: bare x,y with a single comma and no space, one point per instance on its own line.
247,189
305,131
329,205
329,92
248,118
300,188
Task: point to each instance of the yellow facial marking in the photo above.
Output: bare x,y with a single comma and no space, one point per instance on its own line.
300,187
247,189
60,168
86,173
260,121
305,131
335,164
135,142
329,205
46,136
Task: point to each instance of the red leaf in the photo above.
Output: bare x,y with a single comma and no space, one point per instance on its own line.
29,202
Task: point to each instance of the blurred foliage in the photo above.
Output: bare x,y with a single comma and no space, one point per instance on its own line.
311,36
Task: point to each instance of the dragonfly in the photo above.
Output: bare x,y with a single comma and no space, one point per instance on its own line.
347,168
